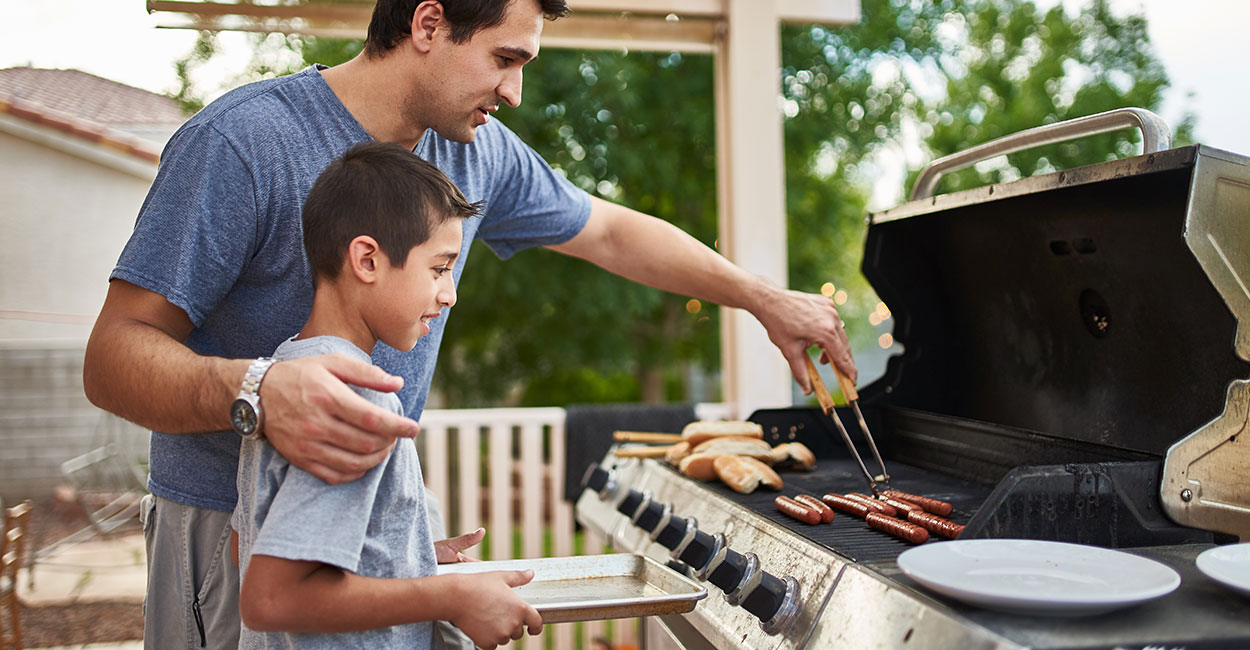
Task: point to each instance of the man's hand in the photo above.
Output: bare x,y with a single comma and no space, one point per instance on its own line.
321,425
447,551
490,612
795,321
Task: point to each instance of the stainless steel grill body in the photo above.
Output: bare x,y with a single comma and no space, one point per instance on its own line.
1076,355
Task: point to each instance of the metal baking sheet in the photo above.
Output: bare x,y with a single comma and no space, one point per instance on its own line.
593,587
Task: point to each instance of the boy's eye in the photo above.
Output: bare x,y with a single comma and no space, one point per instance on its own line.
441,269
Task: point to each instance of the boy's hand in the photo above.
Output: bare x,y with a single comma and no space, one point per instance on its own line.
491,613
448,550
323,427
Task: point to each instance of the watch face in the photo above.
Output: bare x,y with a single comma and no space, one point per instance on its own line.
243,417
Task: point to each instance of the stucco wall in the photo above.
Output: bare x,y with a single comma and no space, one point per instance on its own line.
65,218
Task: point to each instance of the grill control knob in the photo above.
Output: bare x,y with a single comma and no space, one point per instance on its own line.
649,518
729,572
595,478
678,566
630,503
775,601
672,533
698,553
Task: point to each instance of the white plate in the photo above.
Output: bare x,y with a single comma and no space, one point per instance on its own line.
1025,576
1228,565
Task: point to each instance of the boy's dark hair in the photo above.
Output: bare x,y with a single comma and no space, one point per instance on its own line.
392,19
381,190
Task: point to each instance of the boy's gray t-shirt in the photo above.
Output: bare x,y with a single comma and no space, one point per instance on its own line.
375,526
219,235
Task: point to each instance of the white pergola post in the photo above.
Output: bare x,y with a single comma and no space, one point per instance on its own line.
743,35
751,190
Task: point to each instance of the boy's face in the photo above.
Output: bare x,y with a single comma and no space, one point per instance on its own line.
407,298
470,79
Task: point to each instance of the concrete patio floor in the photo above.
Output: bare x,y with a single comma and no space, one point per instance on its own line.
112,569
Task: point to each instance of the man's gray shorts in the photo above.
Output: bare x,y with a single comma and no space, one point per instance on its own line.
193,585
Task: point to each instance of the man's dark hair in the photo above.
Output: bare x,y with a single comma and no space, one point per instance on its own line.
392,19
381,190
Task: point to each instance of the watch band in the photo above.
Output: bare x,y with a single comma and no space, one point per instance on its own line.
255,374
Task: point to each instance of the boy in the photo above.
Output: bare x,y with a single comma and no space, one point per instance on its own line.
353,565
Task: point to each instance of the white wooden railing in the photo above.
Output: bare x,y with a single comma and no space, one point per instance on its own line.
523,471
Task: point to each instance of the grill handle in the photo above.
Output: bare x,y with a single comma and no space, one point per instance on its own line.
1156,136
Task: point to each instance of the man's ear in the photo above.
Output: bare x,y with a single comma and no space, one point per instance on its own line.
365,258
425,20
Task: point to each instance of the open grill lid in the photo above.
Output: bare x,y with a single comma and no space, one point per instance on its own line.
1099,311
1067,304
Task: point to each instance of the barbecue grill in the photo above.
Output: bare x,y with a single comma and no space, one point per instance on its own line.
1076,348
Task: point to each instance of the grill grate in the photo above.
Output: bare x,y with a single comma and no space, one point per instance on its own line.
850,536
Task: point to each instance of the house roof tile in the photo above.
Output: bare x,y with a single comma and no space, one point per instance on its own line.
125,118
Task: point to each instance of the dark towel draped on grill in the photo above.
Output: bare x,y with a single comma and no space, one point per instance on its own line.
589,430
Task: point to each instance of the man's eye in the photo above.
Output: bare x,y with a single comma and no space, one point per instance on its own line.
503,60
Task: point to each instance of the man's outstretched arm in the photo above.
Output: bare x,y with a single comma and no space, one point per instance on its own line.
137,367
658,254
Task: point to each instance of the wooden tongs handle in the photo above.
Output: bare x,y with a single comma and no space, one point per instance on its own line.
818,386
640,452
844,382
646,436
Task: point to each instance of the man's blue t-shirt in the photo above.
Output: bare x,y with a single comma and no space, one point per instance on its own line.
220,236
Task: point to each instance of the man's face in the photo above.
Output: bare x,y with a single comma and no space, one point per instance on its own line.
468,81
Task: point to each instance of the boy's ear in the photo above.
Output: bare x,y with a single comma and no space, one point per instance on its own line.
364,258
425,20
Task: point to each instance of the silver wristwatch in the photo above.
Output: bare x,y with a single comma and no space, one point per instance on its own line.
246,416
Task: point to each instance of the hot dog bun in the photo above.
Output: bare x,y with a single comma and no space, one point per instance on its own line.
744,474
676,453
794,454
699,466
697,432
736,446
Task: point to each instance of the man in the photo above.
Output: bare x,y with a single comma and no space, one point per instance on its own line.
214,277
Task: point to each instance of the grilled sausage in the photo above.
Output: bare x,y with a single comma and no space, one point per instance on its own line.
826,513
903,506
848,506
899,528
796,510
935,524
936,506
874,504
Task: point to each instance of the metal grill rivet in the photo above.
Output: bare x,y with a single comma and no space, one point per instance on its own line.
1187,495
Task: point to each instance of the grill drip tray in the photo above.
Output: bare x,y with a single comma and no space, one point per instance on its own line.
853,594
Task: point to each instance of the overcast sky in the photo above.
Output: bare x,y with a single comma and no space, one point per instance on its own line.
1201,42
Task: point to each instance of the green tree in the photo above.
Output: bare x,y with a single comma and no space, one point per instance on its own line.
914,78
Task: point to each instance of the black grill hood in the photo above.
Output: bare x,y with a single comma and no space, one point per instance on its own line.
1065,309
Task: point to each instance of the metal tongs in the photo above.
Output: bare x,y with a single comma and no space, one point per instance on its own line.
852,397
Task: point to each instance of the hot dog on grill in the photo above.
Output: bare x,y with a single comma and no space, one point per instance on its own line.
796,510
826,513
845,505
906,530
903,507
935,506
935,524
874,504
